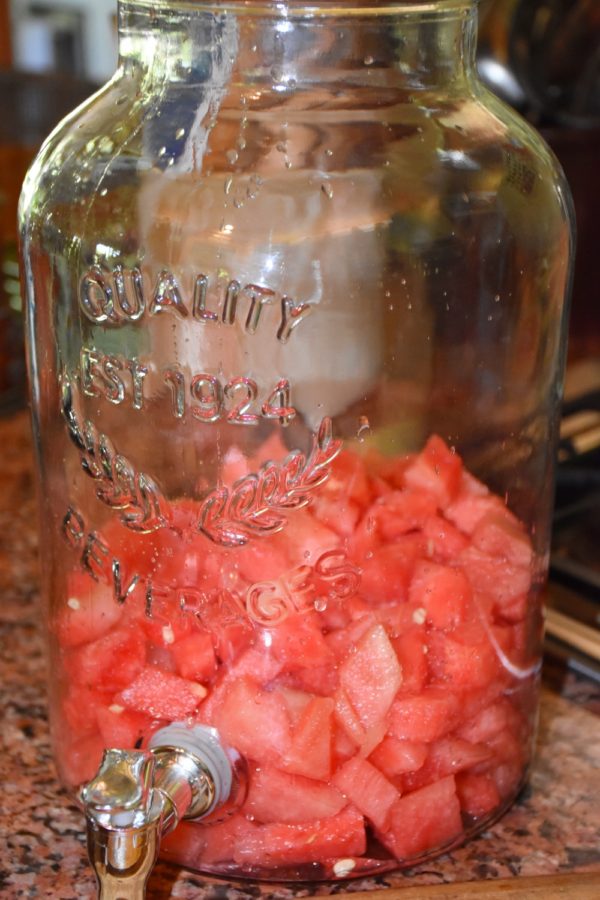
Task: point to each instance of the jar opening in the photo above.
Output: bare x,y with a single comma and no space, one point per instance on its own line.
319,8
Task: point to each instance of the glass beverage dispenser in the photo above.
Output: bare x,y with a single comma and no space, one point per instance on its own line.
296,313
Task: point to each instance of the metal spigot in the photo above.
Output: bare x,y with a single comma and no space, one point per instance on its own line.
137,796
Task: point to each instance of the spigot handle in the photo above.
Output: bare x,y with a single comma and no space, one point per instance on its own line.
139,795
121,788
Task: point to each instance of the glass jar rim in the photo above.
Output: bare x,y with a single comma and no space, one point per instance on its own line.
317,8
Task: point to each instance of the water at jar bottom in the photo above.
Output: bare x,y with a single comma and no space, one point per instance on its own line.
375,662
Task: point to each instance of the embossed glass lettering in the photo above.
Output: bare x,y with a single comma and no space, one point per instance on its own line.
246,390
199,310
73,527
259,297
114,387
230,304
138,373
278,404
89,360
95,557
291,316
130,292
207,390
176,382
167,296
96,296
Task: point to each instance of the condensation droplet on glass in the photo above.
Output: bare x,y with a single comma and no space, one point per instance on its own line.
403,281
320,604
162,151
171,161
497,298
179,133
238,203
409,306
241,143
327,190
104,192
228,185
288,164
388,293
328,152
490,318
368,60
232,156
391,307
280,146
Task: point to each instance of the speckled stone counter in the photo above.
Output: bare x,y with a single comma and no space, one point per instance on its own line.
553,830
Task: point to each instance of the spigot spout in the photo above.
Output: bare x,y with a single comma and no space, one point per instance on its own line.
137,796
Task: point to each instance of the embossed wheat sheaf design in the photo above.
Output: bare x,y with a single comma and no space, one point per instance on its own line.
256,505
118,484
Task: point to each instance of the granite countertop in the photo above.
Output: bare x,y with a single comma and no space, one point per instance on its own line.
547,844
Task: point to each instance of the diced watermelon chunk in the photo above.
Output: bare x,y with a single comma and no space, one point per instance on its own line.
346,716
397,513
387,570
454,660
370,792
311,746
444,593
496,534
425,717
89,612
199,845
447,756
371,676
411,650
472,503
80,760
194,656
79,707
277,845
478,795
161,694
437,470
424,820
444,540
110,662
122,728
254,721
298,642
394,757
276,796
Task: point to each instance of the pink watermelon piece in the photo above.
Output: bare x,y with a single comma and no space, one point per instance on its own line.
394,757
90,611
110,662
254,721
280,845
367,789
437,470
194,656
478,794
161,695
276,796
371,676
424,717
311,745
424,820
443,592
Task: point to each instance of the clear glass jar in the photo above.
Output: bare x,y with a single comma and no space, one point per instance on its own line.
296,288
